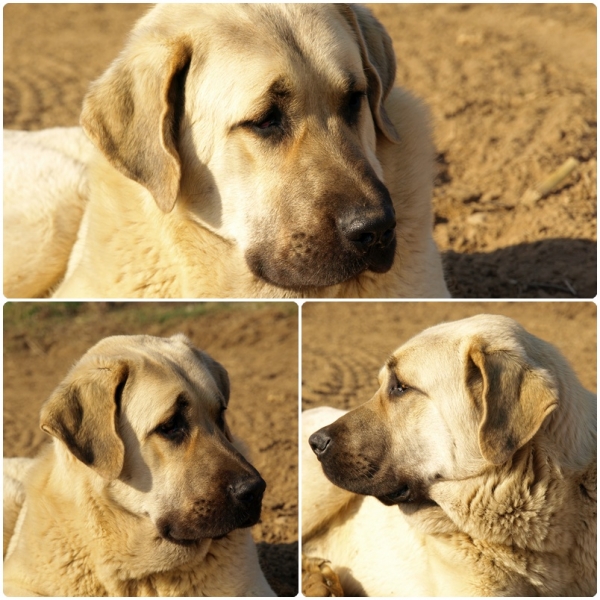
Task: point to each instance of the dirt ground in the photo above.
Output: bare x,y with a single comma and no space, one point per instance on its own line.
256,342
512,92
340,363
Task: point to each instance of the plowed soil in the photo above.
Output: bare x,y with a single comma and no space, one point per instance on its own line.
512,92
257,344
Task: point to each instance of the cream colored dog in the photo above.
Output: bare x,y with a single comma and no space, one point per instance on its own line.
143,491
471,471
252,151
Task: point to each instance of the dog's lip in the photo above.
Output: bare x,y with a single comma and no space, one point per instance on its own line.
249,522
407,494
398,496
180,541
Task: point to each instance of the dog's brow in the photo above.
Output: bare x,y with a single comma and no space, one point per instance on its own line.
352,84
280,88
278,93
388,368
179,406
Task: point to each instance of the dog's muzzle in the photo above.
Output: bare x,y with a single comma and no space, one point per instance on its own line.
355,233
237,507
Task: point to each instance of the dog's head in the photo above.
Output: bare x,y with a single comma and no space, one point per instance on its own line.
147,414
456,401
259,123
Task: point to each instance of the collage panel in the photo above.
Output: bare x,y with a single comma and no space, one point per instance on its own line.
146,463
446,445
470,171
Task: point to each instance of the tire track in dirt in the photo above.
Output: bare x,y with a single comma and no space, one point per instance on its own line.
28,97
340,378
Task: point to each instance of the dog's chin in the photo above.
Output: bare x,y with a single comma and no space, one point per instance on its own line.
410,497
304,276
185,543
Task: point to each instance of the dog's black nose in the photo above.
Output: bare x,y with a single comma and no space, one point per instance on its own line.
320,442
367,230
248,491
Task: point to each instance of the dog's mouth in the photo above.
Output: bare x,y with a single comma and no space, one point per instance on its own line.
166,535
191,542
249,522
401,495
407,494
310,269
190,534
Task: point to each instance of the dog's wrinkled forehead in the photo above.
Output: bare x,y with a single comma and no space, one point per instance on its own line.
315,33
503,332
160,370
255,44
421,361
436,351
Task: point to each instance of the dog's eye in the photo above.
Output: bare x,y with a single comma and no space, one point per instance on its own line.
397,388
353,105
269,124
221,418
174,430
355,100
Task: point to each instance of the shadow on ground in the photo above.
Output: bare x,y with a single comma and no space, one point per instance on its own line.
556,268
279,562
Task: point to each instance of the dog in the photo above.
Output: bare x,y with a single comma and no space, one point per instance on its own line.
471,471
45,193
252,151
143,490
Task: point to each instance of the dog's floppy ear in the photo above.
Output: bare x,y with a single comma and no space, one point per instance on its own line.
132,114
512,398
378,59
217,370
220,375
82,413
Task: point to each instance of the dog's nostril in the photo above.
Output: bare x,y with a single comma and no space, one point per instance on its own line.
366,240
366,231
319,442
248,491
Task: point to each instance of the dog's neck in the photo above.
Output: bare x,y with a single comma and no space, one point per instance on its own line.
534,516
523,512
121,553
